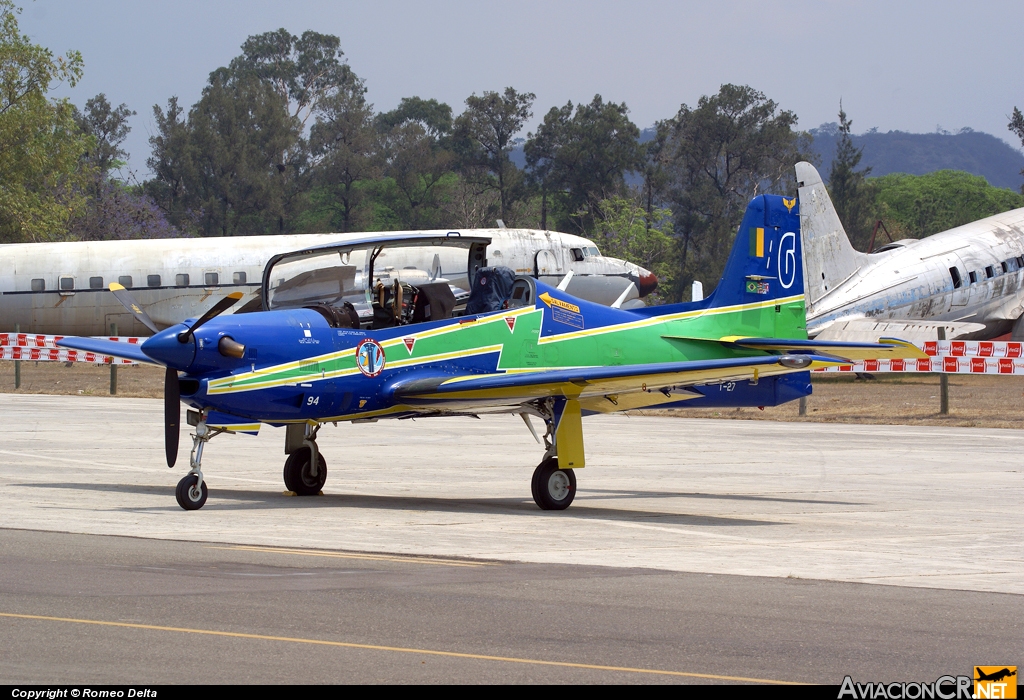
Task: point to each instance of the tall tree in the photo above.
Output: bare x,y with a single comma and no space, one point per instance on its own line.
113,210
1017,126
718,155
484,134
304,70
342,147
40,145
223,161
109,126
582,158
851,192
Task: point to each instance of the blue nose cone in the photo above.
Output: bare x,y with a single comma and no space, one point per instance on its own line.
165,348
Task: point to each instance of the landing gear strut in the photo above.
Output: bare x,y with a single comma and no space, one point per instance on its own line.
192,492
553,488
305,470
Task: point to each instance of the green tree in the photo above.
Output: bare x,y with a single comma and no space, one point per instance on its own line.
915,206
418,171
109,127
484,136
343,159
304,70
717,156
41,171
628,231
223,161
852,193
1017,126
582,158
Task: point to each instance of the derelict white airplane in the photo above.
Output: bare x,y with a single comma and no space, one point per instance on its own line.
61,288
968,280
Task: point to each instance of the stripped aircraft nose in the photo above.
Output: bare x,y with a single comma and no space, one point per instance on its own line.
648,282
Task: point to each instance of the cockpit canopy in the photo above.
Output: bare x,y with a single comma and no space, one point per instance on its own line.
355,278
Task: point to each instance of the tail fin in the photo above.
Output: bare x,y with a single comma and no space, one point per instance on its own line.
761,293
765,264
829,259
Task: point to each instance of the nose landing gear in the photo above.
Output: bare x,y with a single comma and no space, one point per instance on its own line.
191,492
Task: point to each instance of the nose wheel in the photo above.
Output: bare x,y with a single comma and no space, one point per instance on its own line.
191,492
553,488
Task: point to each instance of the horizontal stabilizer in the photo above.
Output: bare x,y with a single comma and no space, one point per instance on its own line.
867,331
102,346
888,348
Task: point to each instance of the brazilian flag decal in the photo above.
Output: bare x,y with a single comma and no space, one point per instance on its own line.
757,242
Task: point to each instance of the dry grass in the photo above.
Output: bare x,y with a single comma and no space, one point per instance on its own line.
910,399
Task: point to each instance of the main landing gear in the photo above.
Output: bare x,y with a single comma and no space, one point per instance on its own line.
305,470
554,488
192,492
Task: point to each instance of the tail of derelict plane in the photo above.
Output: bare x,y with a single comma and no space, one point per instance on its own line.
761,293
830,259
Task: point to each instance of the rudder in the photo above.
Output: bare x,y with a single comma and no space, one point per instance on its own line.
830,259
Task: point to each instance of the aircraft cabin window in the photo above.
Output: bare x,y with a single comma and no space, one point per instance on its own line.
95,283
153,280
955,275
67,284
1020,261
990,272
125,281
1006,268
973,275
38,285
181,280
212,279
239,278
577,254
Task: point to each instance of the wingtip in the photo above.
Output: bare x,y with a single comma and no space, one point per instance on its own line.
236,295
115,287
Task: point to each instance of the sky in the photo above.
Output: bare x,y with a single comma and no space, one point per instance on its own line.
908,66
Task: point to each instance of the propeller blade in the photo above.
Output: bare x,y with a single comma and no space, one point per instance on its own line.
172,415
128,302
218,308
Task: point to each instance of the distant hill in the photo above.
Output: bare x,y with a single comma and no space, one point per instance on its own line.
974,152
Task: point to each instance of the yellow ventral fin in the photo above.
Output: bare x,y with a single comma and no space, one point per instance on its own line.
569,437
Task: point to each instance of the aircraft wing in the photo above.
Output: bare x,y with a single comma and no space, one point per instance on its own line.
886,348
597,388
867,331
102,346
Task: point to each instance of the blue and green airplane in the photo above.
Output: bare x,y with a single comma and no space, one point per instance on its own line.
520,346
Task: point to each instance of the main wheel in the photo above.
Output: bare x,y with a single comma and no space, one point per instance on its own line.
297,473
191,495
553,488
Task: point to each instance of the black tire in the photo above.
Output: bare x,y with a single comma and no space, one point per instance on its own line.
553,488
297,477
187,497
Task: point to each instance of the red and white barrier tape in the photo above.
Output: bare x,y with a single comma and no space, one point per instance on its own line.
945,364
59,355
949,356
29,340
43,348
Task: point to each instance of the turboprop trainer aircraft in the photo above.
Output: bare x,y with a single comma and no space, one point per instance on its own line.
968,280
521,347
